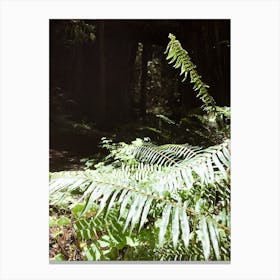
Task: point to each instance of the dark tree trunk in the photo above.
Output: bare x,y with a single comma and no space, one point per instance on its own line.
117,56
131,82
143,91
102,116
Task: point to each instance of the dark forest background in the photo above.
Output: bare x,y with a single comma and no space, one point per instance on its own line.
110,78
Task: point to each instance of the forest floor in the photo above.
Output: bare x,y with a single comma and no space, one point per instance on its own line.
62,241
61,160
67,150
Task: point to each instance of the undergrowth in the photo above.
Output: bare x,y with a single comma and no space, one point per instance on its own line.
147,201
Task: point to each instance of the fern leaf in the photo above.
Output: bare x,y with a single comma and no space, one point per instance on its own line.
153,155
175,226
84,230
214,236
105,196
96,193
184,226
124,192
137,200
164,223
204,237
219,165
112,201
92,252
124,203
139,208
180,58
145,212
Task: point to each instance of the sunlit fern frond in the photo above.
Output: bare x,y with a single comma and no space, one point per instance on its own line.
139,190
180,58
188,165
164,155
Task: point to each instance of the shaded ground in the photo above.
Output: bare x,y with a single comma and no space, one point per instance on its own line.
65,160
67,149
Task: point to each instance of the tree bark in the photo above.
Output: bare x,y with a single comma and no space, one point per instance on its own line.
102,78
143,91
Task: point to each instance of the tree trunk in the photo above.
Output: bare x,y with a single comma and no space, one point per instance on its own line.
102,78
143,91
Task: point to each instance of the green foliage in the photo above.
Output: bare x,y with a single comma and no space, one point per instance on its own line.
160,82
74,32
59,257
206,129
63,221
179,191
155,202
180,59
105,236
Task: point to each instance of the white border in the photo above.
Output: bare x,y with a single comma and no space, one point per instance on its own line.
24,138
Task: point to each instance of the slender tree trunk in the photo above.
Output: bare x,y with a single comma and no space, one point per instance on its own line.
131,73
143,91
218,49
102,80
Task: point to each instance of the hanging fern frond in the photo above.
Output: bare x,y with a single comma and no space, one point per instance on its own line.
180,59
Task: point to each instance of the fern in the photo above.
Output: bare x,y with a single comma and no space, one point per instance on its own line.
161,183
103,236
143,201
180,59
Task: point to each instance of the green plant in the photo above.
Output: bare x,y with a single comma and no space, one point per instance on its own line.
181,192
154,202
181,59
213,121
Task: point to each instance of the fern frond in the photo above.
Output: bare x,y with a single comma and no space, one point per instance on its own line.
193,164
175,191
180,59
105,232
218,248
154,155
185,151
165,155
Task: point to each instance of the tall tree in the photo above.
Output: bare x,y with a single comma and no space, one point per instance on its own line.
102,116
143,91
